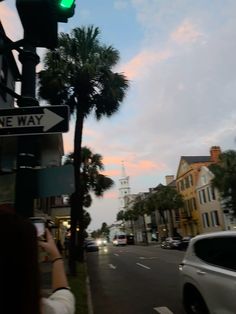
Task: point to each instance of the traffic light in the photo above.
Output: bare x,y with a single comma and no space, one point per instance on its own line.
65,10
40,17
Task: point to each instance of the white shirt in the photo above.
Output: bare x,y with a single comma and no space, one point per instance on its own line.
60,302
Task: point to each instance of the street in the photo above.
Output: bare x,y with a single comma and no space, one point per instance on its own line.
135,280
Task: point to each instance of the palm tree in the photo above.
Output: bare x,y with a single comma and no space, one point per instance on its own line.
165,199
140,209
91,182
79,73
225,179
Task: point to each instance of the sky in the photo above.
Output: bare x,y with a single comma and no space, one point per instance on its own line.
180,59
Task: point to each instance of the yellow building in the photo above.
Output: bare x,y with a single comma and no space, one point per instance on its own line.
186,181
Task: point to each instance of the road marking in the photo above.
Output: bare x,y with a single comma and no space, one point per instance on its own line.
116,254
112,266
153,257
143,266
163,310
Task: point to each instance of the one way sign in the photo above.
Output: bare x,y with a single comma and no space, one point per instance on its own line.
34,120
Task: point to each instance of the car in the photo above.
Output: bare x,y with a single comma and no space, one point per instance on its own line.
119,239
183,244
130,239
171,243
91,246
101,242
208,274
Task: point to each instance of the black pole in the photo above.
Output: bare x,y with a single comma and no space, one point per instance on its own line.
27,148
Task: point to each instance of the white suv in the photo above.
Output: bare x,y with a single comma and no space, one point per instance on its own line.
208,274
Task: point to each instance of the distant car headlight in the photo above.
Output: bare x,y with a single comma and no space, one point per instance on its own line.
104,241
99,242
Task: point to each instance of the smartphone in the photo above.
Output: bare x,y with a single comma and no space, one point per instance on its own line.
40,225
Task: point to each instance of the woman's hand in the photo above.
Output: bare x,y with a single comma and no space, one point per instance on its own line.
50,246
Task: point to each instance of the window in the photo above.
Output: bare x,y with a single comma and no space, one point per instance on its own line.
203,179
181,185
213,193
218,251
194,203
215,218
186,183
203,196
200,197
191,180
208,194
205,219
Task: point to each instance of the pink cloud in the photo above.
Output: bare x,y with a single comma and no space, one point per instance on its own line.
186,33
111,195
145,59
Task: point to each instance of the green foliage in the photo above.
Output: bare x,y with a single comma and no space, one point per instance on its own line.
225,178
92,181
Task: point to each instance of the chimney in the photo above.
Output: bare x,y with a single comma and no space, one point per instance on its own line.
169,179
215,152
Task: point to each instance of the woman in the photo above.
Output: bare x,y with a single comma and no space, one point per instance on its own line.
19,271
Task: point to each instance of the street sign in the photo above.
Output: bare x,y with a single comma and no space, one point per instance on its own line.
34,120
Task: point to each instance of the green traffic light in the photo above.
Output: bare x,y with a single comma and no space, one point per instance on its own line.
67,4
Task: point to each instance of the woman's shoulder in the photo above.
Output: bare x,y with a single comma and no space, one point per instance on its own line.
60,302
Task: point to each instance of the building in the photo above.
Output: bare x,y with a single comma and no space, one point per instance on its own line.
209,202
49,147
124,188
186,182
9,75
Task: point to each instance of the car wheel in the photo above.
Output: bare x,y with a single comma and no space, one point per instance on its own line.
194,303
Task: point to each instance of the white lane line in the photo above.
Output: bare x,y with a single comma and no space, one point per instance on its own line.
163,310
143,266
116,254
112,266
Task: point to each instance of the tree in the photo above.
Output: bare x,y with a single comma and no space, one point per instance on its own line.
140,209
225,179
92,181
79,73
165,199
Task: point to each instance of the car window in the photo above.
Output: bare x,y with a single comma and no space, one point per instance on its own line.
121,236
218,251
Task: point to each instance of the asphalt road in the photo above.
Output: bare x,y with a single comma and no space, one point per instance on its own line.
135,280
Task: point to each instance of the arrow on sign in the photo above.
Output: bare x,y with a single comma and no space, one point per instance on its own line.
34,120
47,120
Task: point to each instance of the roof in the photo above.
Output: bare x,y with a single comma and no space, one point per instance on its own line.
196,159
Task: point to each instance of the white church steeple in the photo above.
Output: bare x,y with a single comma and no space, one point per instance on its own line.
124,187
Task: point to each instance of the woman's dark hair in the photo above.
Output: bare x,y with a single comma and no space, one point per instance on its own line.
19,267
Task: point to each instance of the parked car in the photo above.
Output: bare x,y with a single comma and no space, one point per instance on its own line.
130,239
119,239
183,245
91,246
208,274
171,243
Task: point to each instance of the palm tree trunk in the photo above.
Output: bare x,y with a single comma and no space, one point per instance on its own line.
76,200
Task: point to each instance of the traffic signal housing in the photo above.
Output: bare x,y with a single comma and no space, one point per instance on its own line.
65,10
40,19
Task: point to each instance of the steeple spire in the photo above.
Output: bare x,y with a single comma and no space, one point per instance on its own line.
123,174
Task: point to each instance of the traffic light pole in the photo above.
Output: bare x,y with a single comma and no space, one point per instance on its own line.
26,150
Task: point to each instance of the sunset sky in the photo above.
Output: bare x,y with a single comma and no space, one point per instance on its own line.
180,58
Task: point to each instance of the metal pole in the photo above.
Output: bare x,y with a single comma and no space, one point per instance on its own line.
27,145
